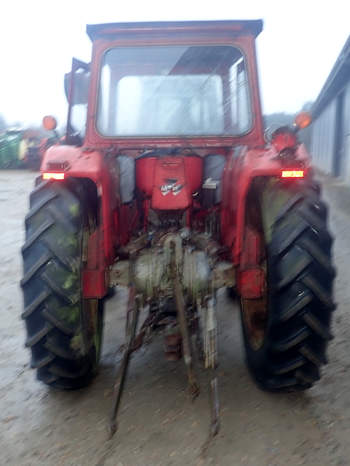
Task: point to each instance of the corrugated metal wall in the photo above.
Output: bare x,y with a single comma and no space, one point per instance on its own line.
323,134
323,138
347,134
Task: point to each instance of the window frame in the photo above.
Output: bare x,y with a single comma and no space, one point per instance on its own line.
188,44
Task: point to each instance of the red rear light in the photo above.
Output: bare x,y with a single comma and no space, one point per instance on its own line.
292,174
53,176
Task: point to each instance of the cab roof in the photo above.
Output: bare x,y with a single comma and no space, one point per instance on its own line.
235,27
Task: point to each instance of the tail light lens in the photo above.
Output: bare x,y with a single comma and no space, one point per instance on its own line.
53,176
292,174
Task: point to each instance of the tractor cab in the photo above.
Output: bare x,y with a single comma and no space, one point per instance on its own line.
180,83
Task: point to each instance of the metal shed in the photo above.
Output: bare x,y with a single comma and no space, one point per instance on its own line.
330,140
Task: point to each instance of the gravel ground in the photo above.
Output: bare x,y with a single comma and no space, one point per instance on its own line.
159,425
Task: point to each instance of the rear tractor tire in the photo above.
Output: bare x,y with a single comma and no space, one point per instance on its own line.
64,330
286,332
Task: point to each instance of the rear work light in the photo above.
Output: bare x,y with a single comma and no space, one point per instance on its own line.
292,174
53,176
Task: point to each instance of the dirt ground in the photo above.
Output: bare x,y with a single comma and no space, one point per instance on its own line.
159,425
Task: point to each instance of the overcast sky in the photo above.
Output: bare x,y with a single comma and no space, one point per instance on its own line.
297,48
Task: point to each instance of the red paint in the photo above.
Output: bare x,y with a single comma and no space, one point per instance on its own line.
169,181
92,165
170,189
239,173
251,283
94,283
250,276
252,253
95,279
145,168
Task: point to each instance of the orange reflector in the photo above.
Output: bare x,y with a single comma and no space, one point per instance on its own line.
49,123
292,173
53,176
303,120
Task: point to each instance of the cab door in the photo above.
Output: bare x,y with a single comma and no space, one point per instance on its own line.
76,86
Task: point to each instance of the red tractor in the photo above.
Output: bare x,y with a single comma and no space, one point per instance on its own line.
164,184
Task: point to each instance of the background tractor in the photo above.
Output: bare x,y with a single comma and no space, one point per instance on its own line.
164,184
23,148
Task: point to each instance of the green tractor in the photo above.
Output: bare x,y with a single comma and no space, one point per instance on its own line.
10,148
